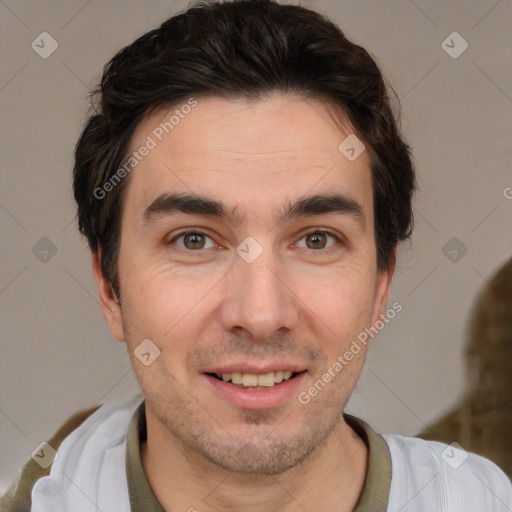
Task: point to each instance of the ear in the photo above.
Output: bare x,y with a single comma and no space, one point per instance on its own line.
382,288
109,303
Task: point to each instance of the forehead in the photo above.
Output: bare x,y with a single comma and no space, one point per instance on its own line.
253,153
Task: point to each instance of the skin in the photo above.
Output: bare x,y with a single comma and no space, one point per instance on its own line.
297,302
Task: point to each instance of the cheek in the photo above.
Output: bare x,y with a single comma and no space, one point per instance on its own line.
345,294
167,303
341,311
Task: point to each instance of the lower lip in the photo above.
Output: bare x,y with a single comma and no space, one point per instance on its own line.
257,398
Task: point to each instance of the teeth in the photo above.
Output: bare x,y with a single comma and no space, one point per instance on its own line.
249,379
266,380
236,378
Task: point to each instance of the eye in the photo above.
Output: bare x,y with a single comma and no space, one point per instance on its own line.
317,239
193,240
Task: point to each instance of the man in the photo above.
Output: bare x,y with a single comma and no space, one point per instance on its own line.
243,188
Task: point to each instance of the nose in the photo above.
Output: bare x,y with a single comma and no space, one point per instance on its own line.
258,299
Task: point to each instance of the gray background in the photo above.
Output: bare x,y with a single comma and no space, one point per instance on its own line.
57,353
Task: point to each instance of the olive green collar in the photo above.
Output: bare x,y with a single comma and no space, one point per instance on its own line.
374,497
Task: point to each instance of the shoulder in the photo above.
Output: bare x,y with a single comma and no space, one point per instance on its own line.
18,496
430,472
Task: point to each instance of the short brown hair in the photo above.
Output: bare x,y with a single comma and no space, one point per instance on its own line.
241,48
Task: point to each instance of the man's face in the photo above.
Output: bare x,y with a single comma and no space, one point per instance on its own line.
212,302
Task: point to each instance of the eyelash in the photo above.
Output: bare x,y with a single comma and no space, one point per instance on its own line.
338,238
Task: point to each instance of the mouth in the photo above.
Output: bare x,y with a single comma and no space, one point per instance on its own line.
256,381
268,390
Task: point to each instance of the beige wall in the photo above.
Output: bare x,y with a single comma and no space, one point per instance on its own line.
57,353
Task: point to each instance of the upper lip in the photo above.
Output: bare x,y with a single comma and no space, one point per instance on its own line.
261,369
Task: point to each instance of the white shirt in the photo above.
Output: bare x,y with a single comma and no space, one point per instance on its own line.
88,474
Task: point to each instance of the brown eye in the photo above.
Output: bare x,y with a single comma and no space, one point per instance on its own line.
318,239
196,241
192,240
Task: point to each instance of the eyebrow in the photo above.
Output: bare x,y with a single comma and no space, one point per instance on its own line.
167,204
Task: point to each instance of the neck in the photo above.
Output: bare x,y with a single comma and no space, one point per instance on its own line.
331,478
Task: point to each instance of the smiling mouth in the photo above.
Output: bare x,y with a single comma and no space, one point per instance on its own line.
254,381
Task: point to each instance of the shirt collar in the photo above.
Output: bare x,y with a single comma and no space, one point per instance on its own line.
374,496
